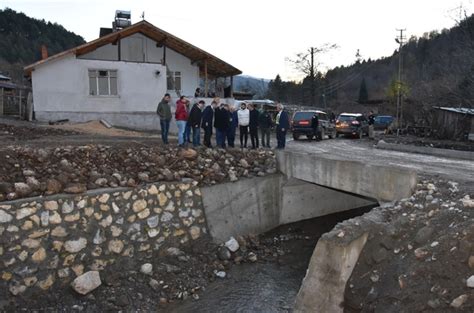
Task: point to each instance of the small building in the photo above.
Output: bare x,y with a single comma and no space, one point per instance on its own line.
121,76
12,97
454,123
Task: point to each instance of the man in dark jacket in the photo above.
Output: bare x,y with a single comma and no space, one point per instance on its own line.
164,113
265,123
207,122
282,125
253,126
222,124
234,122
194,122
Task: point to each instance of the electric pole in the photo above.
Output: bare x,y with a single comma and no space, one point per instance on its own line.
311,74
401,40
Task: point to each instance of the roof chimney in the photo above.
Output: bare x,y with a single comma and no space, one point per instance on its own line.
44,52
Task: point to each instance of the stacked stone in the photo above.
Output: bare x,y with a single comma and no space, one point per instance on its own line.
59,238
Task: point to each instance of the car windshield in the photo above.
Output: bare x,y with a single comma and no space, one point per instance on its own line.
346,118
299,116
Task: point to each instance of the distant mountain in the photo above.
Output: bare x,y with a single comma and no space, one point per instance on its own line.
257,86
21,38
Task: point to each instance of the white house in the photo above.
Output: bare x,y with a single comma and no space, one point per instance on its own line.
121,77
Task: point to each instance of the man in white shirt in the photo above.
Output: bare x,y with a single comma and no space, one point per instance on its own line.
243,115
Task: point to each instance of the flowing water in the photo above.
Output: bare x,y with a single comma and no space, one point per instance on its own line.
267,286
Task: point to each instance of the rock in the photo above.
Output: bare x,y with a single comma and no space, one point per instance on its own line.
467,202
46,283
154,284
195,232
470,262
53,186
379,255
232,244
33,183
51,205
424,234
244,163
17,289
221,274
116,246
420,253
459,301
101,182
86,282
139,205
166,217
153,221
252,257
24,212
31,243
223,253
59,231
55,218
434,304
5,217
189,154
162,199
99,237
75,188
22,189
143,177
74,246
146,269
44,218
143,214
232,176
470,282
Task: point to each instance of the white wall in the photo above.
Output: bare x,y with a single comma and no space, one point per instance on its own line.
150,53
63,85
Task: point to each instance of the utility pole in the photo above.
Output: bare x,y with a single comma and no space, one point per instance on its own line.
311,74
401,40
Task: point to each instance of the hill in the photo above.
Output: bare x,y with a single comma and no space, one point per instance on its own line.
438,70
21,38
257,86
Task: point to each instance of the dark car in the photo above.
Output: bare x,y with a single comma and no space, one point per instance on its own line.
382,122
355,124
312,124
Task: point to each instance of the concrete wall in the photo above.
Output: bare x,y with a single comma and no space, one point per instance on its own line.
383,183
249,206
253,206
301,201
51,240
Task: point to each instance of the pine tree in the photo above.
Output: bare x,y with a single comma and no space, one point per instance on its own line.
363,93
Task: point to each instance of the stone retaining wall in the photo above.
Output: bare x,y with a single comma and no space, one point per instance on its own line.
48,240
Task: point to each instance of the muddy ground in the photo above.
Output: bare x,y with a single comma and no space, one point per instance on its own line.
420,260
429,142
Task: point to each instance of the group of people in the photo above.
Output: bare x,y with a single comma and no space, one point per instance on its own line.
225,119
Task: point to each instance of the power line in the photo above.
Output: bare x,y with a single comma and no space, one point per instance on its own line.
400,40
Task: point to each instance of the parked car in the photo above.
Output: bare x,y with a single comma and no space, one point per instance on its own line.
312,124
382,122
355,124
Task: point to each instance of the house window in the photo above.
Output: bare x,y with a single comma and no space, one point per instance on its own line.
103,82
174,81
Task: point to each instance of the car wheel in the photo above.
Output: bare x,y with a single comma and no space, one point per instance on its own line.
310,137
296,136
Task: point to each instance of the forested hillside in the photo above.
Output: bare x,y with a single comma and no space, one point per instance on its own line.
438,70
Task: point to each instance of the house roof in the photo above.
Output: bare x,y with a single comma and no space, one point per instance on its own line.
215,66
4,78
467,111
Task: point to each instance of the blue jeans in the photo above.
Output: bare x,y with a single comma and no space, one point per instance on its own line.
220,137
187,133
231,136
181,128
196,136
165,128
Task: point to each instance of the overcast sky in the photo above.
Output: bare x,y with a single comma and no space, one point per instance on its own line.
257,36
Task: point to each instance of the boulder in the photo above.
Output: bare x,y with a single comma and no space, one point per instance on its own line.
86,282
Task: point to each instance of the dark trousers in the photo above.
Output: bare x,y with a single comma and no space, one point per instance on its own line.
281,138
165,127
265,132
196,136
231,136
207,136
220,137
254,137
244,135
187,133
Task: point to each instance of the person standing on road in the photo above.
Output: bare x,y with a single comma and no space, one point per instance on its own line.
265,123
222,124
243,116
234,122
282,125
207,123
164,113
371,123
194,122
181,116
253,125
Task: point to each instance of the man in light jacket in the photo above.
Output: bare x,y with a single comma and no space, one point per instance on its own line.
164,113
243,115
